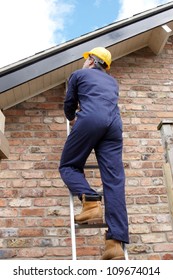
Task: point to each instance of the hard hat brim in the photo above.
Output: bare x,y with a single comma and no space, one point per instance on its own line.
86,54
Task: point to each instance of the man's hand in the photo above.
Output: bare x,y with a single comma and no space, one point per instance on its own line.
72,122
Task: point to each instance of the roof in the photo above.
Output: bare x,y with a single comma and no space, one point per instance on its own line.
52,67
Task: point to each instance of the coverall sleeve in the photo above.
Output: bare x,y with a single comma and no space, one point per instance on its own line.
71,99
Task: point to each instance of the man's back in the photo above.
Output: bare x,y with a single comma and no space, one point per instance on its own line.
95,90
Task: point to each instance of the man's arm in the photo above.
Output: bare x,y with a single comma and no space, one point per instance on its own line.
71,99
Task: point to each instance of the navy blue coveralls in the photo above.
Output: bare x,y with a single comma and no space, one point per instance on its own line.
99,127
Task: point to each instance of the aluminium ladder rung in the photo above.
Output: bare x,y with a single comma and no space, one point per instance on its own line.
91,166
101,225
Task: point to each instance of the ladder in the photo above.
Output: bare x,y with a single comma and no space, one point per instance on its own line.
75,226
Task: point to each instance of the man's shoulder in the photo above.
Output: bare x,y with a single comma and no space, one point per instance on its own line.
81,72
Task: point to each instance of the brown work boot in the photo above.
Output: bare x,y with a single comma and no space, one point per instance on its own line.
91,210
113,250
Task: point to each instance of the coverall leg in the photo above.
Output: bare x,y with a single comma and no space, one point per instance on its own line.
82,139
88,134
109,157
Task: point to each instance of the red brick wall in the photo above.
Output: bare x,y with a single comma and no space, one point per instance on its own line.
34,203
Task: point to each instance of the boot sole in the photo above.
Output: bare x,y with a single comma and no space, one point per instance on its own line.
118,258
90,221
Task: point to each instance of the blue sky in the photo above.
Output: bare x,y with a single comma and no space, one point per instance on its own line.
32,26
90,15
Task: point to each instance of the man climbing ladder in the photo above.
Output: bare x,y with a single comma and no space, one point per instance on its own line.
96,125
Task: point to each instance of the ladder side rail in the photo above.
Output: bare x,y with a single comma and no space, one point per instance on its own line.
72,222
125,251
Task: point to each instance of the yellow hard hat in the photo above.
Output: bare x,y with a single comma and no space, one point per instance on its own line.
101,53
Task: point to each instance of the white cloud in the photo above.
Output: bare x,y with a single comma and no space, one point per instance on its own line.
97,3
29,26
130,8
